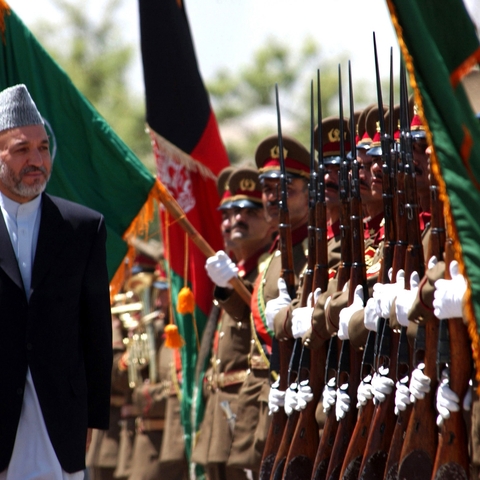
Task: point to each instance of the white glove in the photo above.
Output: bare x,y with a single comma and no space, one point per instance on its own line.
447,400
364,391
402,395
329,395
386,294
304,395
342,405
432,262
276,304
302,317
448,294
346,313
370,317
276,398
419,384
405,299
381,385
221,269
290,399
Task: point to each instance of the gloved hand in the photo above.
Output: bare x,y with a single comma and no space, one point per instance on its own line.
432,262
382,385
346,313
329,395
290,399
364,391
221,269
276,304
370,317
386,294
304,395
405,299
447,400
402,395
276,398
448,294
419,384
342,405
302,317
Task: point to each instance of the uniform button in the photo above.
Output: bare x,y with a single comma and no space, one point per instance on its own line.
222,334
19,391
29,346
218,361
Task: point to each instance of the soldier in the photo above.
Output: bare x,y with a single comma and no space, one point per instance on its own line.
102,457
251,235
252,416
154,385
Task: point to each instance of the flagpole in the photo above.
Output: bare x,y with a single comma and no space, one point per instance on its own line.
176,211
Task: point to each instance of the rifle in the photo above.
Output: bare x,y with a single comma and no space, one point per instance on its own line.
281,351
403,350
327,440
420,444
383,422
356,447
350,360
301,455
452,452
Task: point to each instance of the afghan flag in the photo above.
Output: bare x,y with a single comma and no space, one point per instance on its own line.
440,46
92,166
189,155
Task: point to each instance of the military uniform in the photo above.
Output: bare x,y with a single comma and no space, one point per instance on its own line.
253,422
102,456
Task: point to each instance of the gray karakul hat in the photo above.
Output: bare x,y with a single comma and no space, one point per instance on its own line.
17,109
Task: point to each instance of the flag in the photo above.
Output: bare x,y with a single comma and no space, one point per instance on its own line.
92,166
189,154
440,45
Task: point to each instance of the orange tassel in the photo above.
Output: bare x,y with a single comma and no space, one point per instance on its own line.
186,301
172,338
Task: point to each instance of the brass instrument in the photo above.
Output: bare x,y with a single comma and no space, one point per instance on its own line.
134,309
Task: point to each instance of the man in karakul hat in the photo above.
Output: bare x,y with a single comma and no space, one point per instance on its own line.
54,299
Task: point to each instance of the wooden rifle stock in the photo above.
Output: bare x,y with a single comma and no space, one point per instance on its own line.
452,460
304,445
285,348
383,421
420,444
347,425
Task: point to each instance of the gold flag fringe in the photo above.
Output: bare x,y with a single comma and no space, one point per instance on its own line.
138,226
4,9
436,169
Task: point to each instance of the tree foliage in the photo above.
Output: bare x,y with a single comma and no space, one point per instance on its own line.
244,101
96,57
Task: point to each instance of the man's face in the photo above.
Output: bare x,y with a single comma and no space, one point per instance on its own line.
25,162
248,225
226,229
420,160
376,180
297,199
332,196
365,175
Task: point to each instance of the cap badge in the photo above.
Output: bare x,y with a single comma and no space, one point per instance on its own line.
334,135
247,184
275,152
